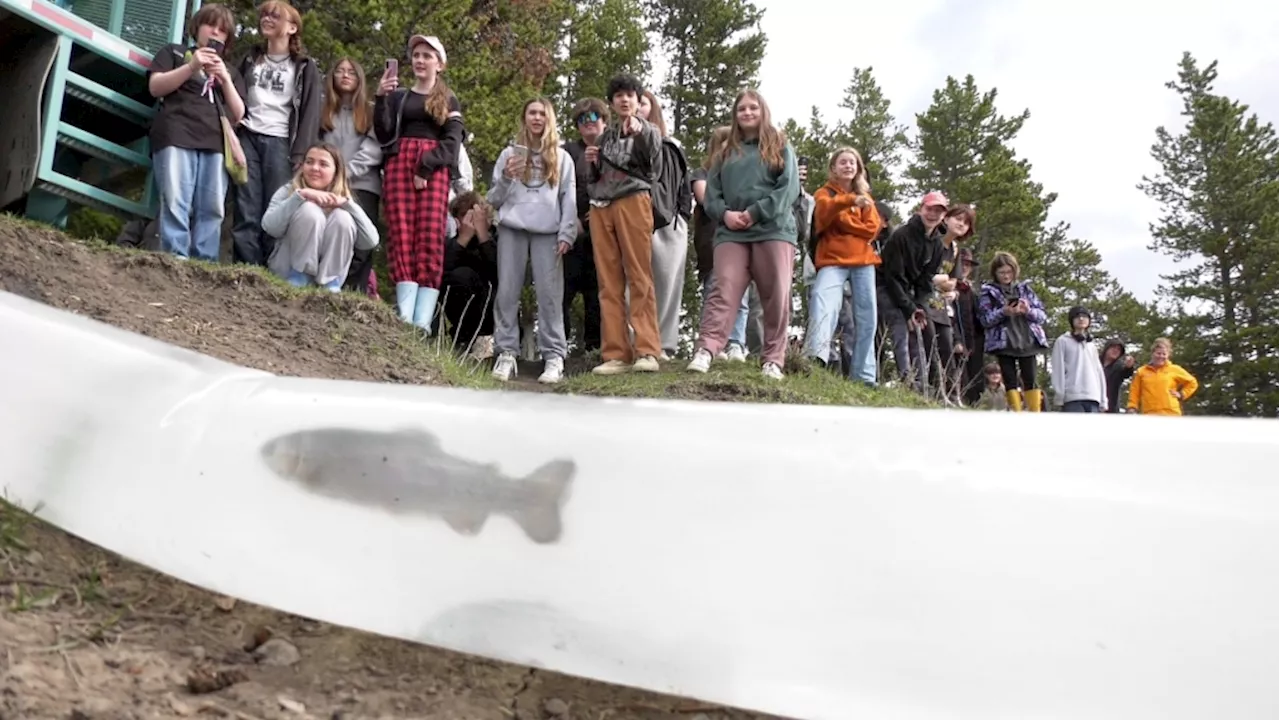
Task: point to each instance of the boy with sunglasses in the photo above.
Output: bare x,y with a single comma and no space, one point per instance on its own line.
590,117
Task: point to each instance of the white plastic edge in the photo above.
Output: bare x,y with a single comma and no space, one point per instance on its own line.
805,561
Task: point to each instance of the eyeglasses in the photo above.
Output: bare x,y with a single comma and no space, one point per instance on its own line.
587,117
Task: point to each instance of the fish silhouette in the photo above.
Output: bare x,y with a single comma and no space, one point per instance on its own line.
407,471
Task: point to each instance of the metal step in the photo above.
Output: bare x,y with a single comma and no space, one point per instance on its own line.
81,141
103,97
81,193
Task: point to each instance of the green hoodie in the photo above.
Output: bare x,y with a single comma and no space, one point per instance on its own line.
742,181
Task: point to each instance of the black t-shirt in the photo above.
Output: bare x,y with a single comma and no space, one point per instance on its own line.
187,119
416,123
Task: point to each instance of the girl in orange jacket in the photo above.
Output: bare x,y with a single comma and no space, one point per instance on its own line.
845,221
1160,387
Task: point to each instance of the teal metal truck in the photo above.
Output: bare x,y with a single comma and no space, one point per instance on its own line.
73,124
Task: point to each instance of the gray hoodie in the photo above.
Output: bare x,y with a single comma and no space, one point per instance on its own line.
1076,372
537,207
361,153
627,165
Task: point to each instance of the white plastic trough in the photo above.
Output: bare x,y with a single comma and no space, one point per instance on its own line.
805,561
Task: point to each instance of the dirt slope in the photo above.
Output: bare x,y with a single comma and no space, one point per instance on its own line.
87,635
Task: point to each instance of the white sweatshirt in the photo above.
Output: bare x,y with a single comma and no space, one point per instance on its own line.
1076,372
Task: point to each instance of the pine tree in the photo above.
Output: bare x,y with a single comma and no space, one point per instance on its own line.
714,48
963,148
1218,188
874,132
604,38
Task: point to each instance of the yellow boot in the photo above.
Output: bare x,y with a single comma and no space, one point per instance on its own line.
1014,398
1035,400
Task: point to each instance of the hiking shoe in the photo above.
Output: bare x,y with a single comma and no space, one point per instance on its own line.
505,367
552,371
482,348
736,353
648,363
771,371
611,367
701,361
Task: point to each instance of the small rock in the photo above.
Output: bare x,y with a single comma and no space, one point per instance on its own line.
34,558
225,604
291,705
78,715
277,652
555,707
180,708
198,653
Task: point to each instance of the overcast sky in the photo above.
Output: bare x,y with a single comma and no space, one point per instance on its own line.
1091,72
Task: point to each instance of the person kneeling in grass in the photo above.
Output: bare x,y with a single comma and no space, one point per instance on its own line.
316,223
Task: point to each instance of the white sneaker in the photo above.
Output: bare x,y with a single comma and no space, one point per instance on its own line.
701,361
664,357
505,367
737,353
611,367
482,348
648,363
722,355
552,371
771,371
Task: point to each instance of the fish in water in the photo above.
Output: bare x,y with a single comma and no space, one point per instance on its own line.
407,471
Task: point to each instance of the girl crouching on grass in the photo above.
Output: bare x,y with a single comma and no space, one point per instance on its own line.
537,203
317,223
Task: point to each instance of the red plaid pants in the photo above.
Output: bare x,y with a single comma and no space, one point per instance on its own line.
416,219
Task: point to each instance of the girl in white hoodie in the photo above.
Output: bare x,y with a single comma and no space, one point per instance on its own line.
534,192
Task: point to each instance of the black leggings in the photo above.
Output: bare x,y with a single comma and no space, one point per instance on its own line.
1011,367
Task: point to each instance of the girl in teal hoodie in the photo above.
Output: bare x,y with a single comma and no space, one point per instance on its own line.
751,188
534,192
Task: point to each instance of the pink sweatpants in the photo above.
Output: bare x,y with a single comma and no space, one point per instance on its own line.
770,263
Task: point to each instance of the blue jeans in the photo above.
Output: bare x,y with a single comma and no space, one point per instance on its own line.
824,311
193,190
1082,406
738,335
269,169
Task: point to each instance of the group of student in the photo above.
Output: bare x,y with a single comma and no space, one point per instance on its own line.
317,162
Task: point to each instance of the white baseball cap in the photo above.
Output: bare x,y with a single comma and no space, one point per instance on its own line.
431,40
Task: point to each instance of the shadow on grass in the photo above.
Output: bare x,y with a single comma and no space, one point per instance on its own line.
740,382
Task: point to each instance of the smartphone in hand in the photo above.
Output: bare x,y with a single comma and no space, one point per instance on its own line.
216,45
393,68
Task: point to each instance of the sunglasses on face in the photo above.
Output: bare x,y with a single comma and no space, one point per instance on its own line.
587,117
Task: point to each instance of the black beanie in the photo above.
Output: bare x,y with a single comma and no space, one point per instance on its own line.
1076,312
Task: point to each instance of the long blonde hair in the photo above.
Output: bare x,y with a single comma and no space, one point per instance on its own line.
771,139
861,182
361,107
655,113
548,145
715,145
437,104
339,185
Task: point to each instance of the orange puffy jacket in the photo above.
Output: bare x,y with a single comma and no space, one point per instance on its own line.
846,230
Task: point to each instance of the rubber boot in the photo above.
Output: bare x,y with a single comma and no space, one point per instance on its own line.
1035,400
406,293
1014,398
424,308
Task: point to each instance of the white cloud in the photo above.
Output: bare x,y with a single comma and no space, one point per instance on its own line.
1091,72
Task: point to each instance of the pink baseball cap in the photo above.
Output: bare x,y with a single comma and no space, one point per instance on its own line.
435,44
934,198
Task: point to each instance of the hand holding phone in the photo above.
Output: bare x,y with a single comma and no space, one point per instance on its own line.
216,45
392,69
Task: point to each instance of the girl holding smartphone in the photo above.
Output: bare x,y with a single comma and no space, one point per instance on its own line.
420,129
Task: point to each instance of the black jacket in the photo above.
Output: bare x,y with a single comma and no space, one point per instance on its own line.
387,115
304,122
908,262
1116,373
481,257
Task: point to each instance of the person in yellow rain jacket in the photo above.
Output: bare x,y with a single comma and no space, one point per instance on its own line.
1160,387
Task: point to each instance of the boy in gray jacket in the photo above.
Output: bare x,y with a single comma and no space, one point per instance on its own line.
1079,384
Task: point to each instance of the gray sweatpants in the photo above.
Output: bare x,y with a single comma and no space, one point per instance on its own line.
318,243
670,250
517,250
